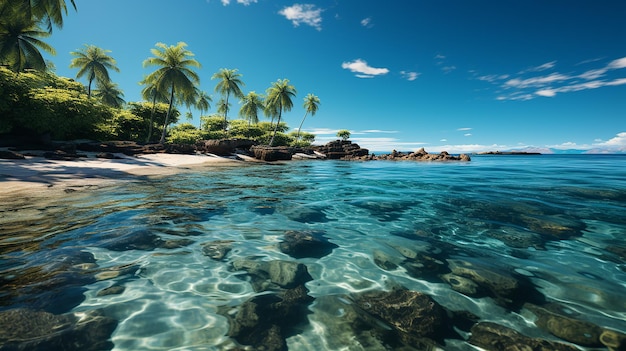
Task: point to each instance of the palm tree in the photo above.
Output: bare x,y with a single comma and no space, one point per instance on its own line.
203,103
19,43
110,94
311,104
251,104
45,11
95,63
229,83
175,73
279,99
223,107
151,93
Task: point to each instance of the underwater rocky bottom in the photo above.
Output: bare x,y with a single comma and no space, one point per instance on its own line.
299,260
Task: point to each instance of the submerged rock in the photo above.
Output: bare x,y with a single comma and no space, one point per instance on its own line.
217,249
24,329
567,328
265,321
284,274
412,314
300,244
495,337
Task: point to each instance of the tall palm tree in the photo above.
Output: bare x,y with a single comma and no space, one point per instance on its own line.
174,73
20,44
48,12
223,107
311,105
95,63
151,93
203,103
279,99
229,82
251,104
110,94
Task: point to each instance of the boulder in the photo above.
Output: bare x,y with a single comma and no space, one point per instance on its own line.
217,249
299,244
494,337
342,149
270,275
269,153
412,314
570,329
24,329
11,155
224,147
265,321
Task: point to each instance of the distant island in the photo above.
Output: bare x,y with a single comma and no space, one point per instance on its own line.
508,153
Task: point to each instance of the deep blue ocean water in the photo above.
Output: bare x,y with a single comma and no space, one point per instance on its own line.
557,222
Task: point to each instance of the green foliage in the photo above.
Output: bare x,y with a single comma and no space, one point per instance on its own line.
242,129
213,123
302,140
123,125
185,133
344,134
43,103
144,109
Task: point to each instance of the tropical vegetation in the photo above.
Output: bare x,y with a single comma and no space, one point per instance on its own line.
34,101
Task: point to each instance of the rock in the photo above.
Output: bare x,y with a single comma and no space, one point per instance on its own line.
60,155
494,337
613,340
11,155
462,284
305,214
269,153
285,274
557,227
111,290
567,328
299,244
265,321
108,155
23,329
342,149
501,285
224,147
217,249
517,238
142,240
411,313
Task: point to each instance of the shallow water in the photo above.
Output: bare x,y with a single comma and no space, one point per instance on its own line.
554,222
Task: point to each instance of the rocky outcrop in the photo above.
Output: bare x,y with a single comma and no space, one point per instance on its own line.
272,153
11,155
342,149
422,155
224,147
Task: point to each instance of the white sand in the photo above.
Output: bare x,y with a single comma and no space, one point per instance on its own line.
37,174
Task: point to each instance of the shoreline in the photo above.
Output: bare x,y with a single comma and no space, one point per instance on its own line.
37,174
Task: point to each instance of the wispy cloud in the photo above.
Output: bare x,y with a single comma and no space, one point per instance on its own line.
363,70
243,2
410,76
528,84
302,14
464,129
367,22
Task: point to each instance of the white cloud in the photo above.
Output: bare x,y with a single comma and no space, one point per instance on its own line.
243,2
464,129
448,69
467,134
521,87
364,71
303,13
410,76
367,22
443,140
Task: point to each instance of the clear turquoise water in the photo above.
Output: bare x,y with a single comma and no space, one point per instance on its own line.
458,210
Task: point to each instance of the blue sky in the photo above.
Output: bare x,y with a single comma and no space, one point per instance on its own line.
453,75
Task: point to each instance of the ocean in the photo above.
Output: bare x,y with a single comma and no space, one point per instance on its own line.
325,255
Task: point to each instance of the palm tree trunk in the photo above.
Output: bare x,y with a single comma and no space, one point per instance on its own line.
89,88
150,127
167,117
226,111
300,127
280,112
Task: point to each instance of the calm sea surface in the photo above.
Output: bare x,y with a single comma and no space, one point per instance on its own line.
139,252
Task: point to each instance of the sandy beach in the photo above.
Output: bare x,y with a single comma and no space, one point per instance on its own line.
38,174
